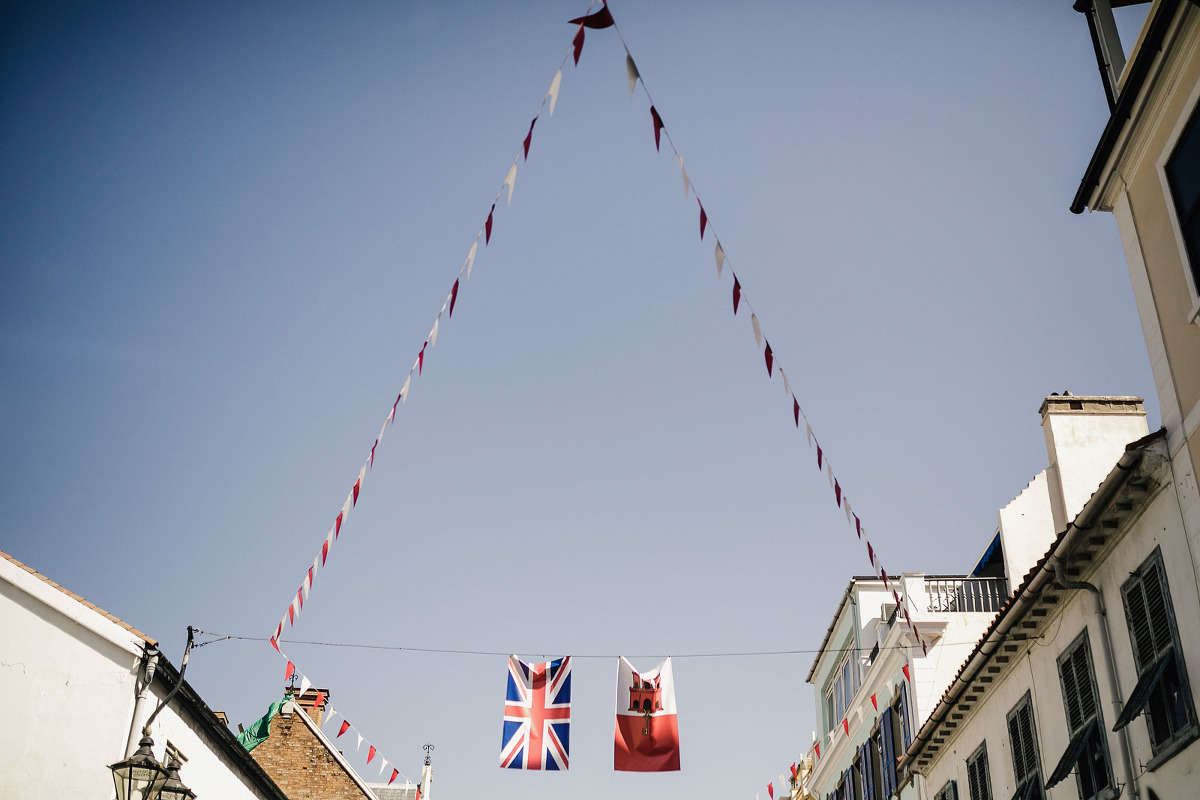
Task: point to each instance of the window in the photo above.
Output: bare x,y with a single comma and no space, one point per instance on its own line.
876,768
1183,176
1087,753
979,782
887,755
1162,691
947,792
840,691
1022,737
901,707
867,770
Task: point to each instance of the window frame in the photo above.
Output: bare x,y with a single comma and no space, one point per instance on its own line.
1191,272
1153,666
1028,781
949,791
1088,743
977,765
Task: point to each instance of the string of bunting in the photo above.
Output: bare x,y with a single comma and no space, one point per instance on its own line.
600,19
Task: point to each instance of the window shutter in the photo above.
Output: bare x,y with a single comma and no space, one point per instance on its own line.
1138,616
886,754
868,772
1083,680
977,777
904,723
1018,750
1030,741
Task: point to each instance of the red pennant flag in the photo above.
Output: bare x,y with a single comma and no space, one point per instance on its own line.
846,726
658,125
924,649
907,677
357,488
337,526
275,644
577,42
287,673
896,597
871,552
453,296
820,458
320,699
418,791
883,574
292,615
529,138
310,577
795,773
771,791
395,772
345,727
796,410
600,19
278,633
857,525
875,702
770,358
394,406
370,754
373,453
817,747
300,597
837,492
703,221
324,551
487,226
421,358
737,294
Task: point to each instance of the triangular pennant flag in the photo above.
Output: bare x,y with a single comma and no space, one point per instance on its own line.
421,356
371,461
433,332
320,699
418,792
796,410
471,256
837,492
404,388
275,644
308,582
883,574
300,596
289,671
395,773
924,649
817,748
737,294
782,780
703,219
345,727
553,93
871,555
658,126
577,43
292,614
858,526
786,389
795,772
907,677
875,701
719,252
392,416
360,741
305,685
846,506
757,329
846,726
687,182
807,428
597,20
820,458
337,524
510,180
453,297
632,71
383,762
529,138
487,226
331,713
829,472
324,551
770,359
370,754
362,473
771,791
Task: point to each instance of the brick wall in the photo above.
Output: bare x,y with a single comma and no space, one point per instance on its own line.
300,763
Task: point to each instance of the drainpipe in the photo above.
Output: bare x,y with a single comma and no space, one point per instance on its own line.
1114,683
145,676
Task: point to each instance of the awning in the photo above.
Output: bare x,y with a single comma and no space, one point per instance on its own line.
1136,703
1071,757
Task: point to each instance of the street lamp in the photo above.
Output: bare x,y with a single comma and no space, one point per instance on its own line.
142,776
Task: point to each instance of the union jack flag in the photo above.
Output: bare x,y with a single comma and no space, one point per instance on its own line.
537,715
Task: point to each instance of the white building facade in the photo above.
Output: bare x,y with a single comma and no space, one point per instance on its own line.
79,685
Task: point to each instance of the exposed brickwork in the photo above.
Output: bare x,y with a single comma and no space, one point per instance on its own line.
300,762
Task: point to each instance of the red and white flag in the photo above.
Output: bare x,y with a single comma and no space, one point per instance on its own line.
647,731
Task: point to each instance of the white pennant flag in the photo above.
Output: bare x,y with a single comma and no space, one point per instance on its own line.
786,389
433,332
360,741
471,257
306,587
510,179
632,71
687,182
329,714
305,684
808,432
757,330
346,506
829,471
782,781
553,93
720,254
849,515
295,609
362,474
382,765
382,430
404,388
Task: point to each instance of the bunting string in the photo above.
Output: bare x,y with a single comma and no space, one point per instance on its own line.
770,358
549,100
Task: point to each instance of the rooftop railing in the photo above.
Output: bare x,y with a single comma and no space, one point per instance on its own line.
953,595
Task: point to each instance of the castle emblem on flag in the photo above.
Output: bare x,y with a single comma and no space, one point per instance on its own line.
537,715
647,728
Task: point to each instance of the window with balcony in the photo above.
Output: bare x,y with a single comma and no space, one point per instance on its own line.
1087,753
1162,691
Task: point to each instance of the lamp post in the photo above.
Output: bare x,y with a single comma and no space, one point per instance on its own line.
142,776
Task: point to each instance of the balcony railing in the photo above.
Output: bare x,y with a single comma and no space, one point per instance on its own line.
952,595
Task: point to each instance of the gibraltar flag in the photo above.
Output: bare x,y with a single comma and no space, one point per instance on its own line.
647,738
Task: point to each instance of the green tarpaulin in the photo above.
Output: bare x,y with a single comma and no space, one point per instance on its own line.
257,733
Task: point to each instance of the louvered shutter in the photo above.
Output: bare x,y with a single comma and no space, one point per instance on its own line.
868,772
886,755
1017,749
904,723
978,784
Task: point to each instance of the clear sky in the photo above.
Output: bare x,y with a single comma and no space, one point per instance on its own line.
226,228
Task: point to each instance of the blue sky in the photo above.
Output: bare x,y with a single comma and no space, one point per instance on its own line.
227,230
